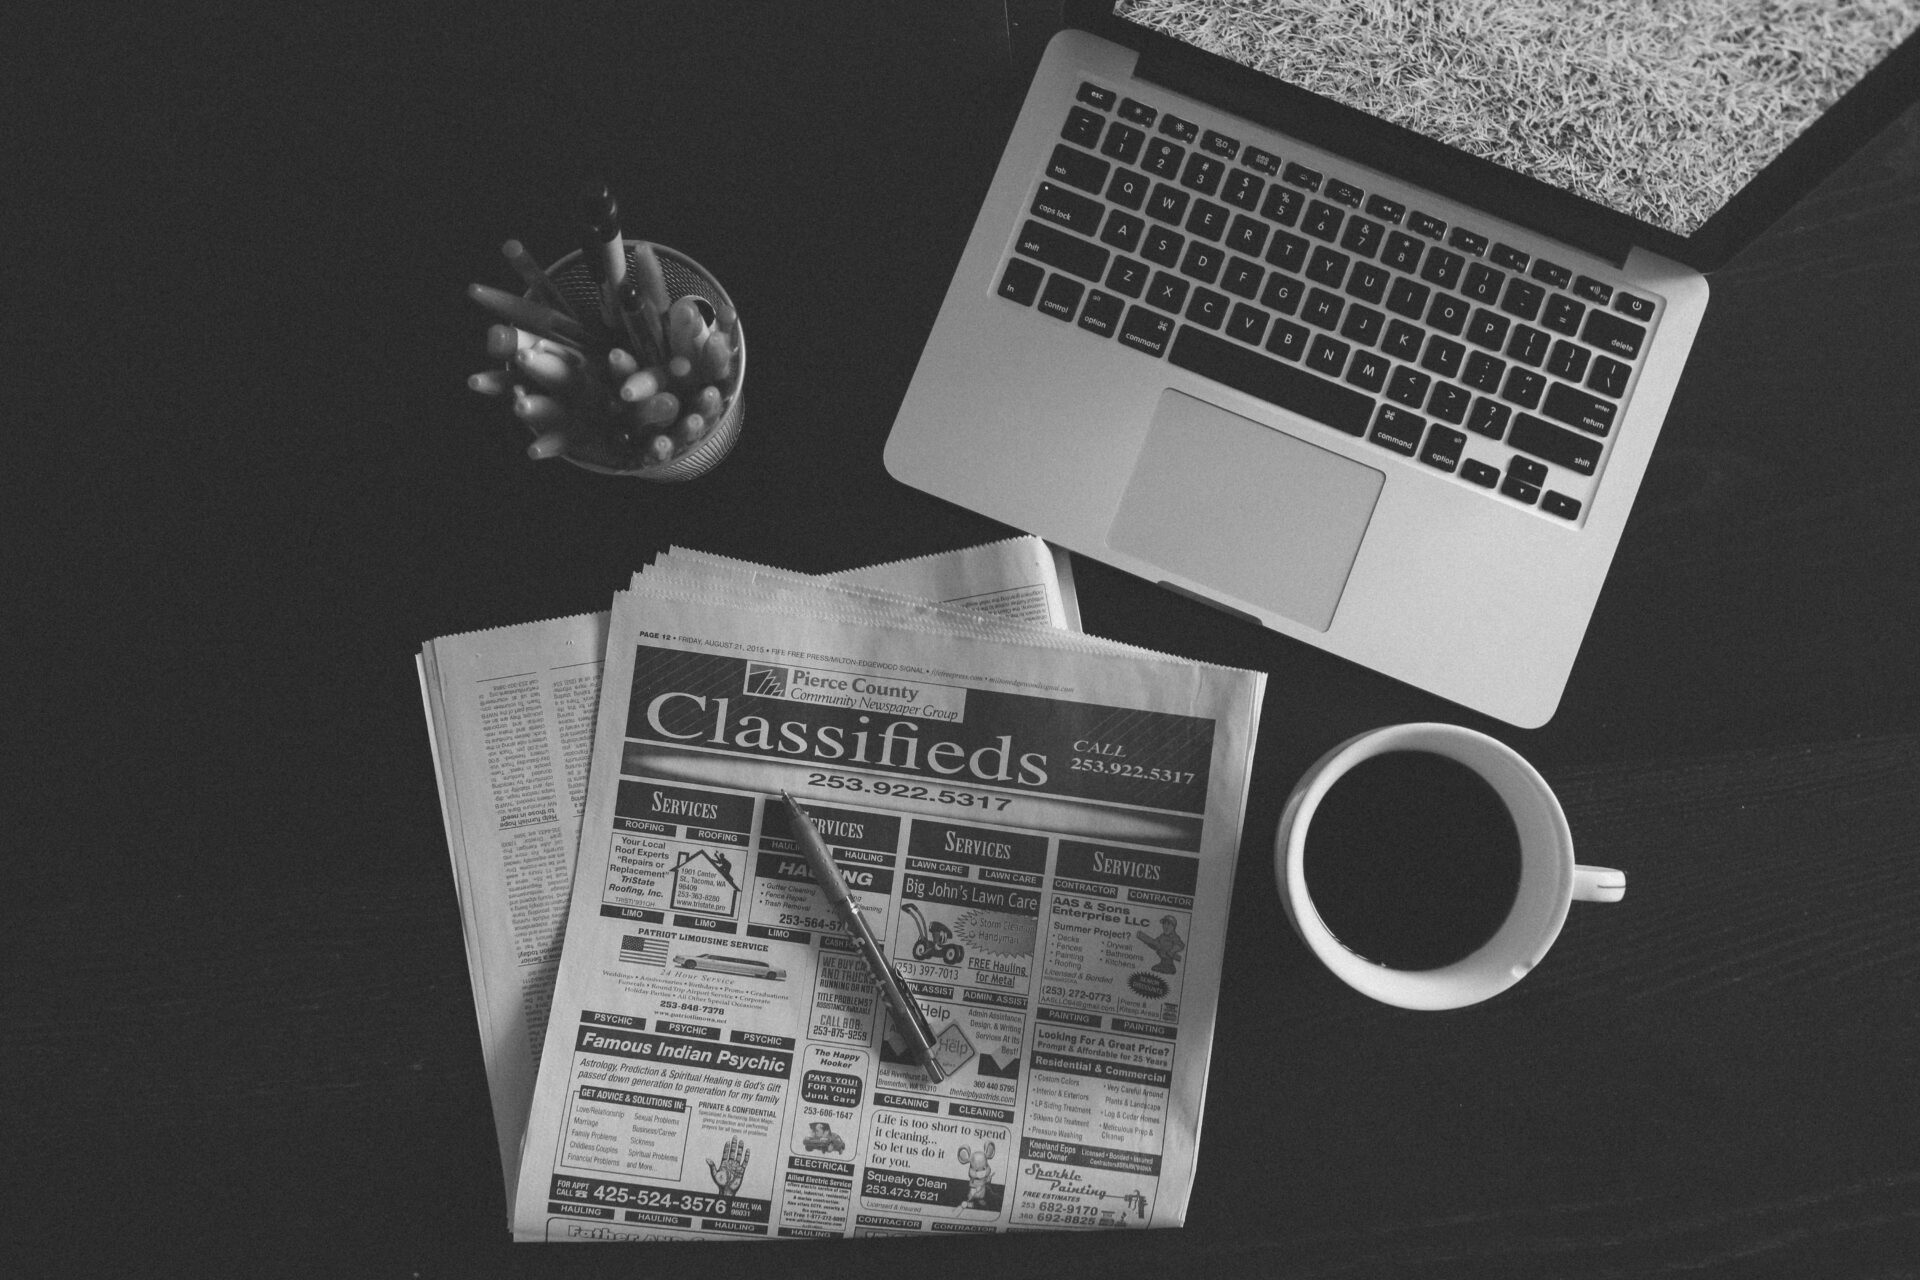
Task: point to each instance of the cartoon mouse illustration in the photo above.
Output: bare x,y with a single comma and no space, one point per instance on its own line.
1168,944
979,1173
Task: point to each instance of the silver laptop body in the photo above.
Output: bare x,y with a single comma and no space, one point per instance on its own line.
1188,440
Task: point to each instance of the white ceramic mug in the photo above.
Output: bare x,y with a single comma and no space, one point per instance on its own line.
1549,877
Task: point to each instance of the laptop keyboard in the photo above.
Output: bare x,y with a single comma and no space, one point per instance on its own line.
1432,341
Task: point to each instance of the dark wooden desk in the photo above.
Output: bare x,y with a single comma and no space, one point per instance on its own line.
237,1028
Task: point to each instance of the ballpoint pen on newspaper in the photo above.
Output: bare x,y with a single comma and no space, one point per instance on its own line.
905,1011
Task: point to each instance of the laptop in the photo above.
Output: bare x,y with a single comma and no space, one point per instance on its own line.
1360,322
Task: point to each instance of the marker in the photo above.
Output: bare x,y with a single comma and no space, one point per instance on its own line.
548,444
503,340
491,382
531,316
642,385
906,1014
654,298
690,428
659,449
564,368
715,361
660,409
707,403
550,370
686,327
538,282
600,245
621,364
534,410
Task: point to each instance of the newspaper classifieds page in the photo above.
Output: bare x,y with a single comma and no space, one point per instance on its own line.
510,714
1042,834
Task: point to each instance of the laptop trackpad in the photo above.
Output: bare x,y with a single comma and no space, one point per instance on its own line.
1255,513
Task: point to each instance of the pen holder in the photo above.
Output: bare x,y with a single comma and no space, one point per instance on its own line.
575,281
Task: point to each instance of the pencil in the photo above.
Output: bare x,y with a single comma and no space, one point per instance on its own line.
538,282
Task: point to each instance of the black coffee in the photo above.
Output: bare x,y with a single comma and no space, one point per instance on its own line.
1412,860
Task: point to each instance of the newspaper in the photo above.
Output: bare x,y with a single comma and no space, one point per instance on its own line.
510,715
1042,827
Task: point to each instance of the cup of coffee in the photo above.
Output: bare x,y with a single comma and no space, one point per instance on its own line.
1429,866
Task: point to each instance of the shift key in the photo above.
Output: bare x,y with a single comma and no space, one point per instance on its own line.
1062,251
1577,453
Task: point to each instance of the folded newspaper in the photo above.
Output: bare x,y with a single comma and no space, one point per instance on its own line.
1040,826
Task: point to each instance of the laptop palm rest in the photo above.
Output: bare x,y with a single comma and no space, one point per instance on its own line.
1249,511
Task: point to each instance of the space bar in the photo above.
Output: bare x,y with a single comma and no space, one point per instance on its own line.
1328,403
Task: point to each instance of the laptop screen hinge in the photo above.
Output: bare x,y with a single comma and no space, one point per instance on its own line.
1406,155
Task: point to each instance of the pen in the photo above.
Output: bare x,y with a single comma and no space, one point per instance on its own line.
600,245
530,316
907,1017
538,282
633,319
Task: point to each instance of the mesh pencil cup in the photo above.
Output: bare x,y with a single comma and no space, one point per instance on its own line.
575,281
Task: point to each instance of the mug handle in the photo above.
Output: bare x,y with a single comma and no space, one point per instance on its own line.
1598,884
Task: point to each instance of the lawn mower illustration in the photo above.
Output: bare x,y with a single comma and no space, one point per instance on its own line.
935,941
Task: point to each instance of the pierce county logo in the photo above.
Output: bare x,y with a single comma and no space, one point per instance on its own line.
856,691
767,681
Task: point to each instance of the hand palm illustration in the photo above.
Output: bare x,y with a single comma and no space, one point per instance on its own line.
731,1169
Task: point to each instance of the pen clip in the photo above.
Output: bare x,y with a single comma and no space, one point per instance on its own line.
911,1001
898,999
